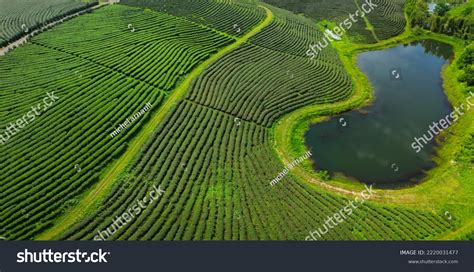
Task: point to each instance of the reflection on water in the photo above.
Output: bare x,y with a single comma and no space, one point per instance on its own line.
374,146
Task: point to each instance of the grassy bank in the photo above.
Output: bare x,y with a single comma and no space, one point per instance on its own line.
447,189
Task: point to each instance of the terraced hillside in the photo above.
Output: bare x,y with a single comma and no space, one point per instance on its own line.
233,17
21,16
292,34
336,11
129,40
211,153
213,159
387,17
100,83
261,97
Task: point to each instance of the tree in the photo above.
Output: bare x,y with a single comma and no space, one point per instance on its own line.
468,76
441,9
467,11
466,58
420,13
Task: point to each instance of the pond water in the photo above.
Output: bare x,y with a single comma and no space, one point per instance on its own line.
374,143
431,7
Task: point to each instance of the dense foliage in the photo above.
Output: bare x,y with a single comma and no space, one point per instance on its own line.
466,63
101,77
451,19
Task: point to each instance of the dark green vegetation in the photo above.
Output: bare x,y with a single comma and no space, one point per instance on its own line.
336,11
387,18
20,16
455,19
466,64
213,152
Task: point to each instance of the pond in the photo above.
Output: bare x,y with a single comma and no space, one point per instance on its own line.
431,7
374,144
